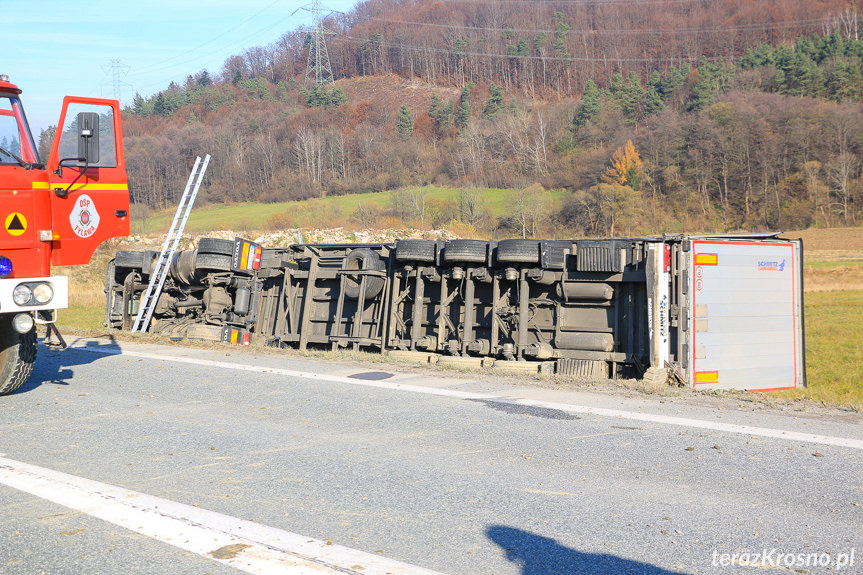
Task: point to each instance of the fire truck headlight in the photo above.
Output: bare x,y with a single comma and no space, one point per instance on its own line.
5,266
43,293
22,294
22,322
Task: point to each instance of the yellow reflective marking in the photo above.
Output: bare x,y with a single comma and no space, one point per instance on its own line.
47,186
16,224
244,261
706,259
706,376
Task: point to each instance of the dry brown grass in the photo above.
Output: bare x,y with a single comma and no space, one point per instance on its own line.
829,238
832,258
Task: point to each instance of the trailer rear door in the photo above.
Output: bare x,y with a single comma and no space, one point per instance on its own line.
746,314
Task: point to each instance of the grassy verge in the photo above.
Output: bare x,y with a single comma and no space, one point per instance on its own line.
834,349
330,211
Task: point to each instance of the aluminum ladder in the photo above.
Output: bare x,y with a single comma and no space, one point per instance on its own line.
169,248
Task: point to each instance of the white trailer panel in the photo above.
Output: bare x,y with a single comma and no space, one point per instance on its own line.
745,302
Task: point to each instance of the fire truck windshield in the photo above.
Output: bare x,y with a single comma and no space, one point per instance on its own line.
16,141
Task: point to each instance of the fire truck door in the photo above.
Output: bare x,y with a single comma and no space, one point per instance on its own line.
86,183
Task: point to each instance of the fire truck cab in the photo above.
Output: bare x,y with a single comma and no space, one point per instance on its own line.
53,211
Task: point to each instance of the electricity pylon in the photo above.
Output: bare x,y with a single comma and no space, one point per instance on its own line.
118,70
318,67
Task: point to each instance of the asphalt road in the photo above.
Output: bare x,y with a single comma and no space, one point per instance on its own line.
453,479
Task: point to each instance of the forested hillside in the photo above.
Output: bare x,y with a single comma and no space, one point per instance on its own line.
653,115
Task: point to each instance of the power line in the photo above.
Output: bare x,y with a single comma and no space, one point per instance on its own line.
594,31
237,44
576,2
210,41
452,52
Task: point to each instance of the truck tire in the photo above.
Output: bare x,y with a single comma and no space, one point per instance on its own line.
184,267
216,246
128,259
518,251
465,251
213,262
17,356
363,259
415,250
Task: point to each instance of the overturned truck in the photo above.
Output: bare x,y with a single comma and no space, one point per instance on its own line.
720,312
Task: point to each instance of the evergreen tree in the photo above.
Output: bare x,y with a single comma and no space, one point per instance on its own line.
405,126
140,106
320,97
445,116
652,100
494,102
560,33
337,97
674,80
589,106
434,108
159,105
464,110
628,95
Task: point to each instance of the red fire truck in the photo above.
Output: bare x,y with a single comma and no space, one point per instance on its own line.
53,211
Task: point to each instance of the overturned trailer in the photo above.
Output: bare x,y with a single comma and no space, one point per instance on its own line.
722,312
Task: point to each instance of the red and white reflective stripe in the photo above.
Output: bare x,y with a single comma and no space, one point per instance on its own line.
257,263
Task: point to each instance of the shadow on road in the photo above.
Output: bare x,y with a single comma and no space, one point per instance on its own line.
537,555
53,366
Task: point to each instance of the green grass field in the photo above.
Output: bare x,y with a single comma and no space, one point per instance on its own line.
834,348
322,212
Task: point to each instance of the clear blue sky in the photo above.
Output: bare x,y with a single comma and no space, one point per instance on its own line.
55,48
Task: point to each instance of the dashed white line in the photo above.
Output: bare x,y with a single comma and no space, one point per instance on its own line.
244,545
571,408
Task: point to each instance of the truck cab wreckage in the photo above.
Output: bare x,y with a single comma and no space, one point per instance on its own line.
717,312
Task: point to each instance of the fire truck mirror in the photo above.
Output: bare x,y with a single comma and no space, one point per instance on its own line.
88,136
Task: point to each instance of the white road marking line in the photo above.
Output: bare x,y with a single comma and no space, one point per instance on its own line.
582,409
243,545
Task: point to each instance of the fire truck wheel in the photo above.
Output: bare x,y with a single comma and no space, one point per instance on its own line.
465,251
363,259
126,259
415,251
518,251
213,262
216,246
17,356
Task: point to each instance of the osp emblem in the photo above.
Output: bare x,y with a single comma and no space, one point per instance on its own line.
84,218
